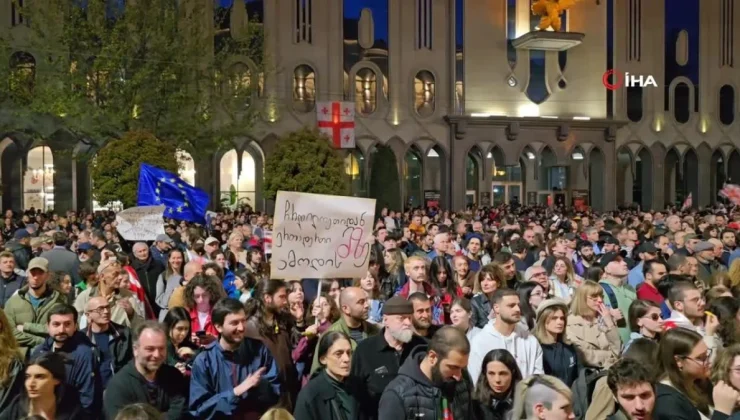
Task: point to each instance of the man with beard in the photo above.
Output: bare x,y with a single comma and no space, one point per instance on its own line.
147,379
234,377
270,322
422,317
647,251
377,359
433,382
81,369
354,308
506,332
584,258
28,309
618,295
633,388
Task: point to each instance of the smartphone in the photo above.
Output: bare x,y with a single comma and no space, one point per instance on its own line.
200,334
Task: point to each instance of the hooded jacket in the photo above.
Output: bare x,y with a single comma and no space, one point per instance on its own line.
522,344
216,372
411,395
20,311
81,367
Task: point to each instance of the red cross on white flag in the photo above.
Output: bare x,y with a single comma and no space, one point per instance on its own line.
337,120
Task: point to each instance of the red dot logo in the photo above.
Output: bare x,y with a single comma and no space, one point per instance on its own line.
612,80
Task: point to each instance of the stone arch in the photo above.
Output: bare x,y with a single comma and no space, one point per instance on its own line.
244,170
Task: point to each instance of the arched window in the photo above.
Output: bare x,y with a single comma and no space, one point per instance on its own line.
187,166
240,83
412,173
304,88
23,73
38,181
634,103
365,91
354,168
681,103
424,93
726,104
237,187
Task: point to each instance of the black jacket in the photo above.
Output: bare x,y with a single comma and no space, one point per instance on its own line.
318,400
670,404
148,272
494,410
68,406
169,393
411,395
481,307
16,379
120,346
374,365
561,361
8,287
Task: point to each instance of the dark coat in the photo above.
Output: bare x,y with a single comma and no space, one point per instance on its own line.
9,286
495,410
129,387
15,384
148,272
481,309
318,400
61,259
670,404
120,345
561,361
411,395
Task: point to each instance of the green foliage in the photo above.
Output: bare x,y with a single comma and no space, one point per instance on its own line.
156,65
384,183
305,161
115,169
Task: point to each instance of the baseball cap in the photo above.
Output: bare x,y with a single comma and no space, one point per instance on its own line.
84,246
164,238
691,236
21,234
210,240
607,258
648,247
39,263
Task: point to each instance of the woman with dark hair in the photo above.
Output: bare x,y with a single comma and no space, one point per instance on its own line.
256,264
725,309
249,281
170,278
460,315
221,268
531,294
490,278
323,313
442,280
61,281
201,293
327,395
493,397
645,321
270,322
180,349
45,393
684,390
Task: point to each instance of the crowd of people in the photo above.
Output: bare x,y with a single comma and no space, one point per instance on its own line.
503,313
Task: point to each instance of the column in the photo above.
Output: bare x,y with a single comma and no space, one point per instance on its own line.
705,173
658,154
63,181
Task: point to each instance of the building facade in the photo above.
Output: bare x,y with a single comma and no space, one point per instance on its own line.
457,101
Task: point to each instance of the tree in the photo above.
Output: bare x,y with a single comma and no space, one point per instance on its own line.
107,67
305,161
115,169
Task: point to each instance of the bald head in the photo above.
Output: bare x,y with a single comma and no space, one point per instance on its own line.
354,306
192,269
349,295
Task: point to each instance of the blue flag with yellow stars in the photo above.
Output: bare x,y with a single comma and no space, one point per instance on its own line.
158,187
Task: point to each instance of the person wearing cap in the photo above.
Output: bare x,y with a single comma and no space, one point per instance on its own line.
147,270
690,242
20,246
645,252
211,245
28,310
377,359
618,295
160,248
59,257
704,252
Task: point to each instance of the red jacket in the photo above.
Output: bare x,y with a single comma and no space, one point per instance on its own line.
195,326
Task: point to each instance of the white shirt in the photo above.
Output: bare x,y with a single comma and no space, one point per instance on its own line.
202,319
522,344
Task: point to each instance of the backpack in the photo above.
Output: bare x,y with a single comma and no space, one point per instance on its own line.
583,390
611,295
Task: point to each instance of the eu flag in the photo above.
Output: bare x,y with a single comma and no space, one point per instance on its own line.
159,187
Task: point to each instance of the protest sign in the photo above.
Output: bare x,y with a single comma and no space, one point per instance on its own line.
321,236
141,223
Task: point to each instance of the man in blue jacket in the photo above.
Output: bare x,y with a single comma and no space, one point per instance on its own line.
81,365
234,377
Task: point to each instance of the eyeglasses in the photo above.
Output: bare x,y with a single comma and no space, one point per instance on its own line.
705,361
101,309
654,317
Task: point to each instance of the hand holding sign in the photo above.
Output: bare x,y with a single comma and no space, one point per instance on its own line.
321,236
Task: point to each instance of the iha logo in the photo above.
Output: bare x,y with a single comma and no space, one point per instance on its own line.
613,80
